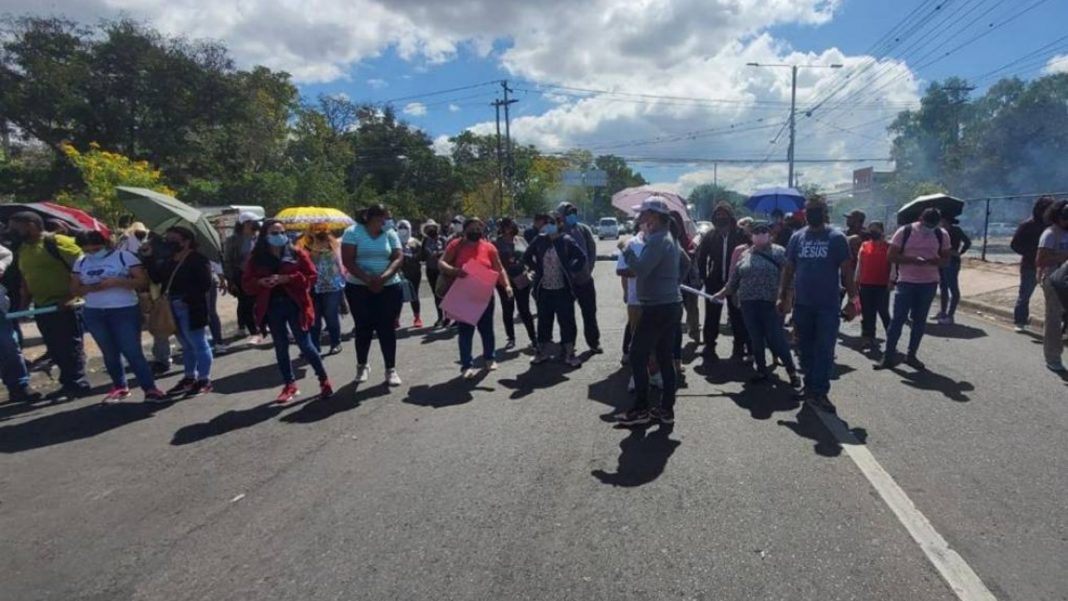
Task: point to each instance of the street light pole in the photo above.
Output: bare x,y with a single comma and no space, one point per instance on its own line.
793,108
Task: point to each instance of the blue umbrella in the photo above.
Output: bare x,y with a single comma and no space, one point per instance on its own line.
767,200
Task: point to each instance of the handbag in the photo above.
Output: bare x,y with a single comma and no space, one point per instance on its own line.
407,290
160,317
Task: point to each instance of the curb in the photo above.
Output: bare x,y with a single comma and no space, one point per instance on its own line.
1000,313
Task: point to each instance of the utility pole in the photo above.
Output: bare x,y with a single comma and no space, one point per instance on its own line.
510,164
793,108
497,104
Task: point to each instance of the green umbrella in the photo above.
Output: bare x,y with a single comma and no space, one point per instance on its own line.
159,212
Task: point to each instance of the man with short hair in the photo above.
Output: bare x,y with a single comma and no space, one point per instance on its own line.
45,261
855,233
919,250
817,259
12,366
585,291
714,264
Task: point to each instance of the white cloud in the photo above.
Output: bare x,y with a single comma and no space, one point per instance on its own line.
454,108
442,146
1057,64
377,84
415,109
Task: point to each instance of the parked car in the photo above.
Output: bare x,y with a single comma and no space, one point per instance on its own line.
608,227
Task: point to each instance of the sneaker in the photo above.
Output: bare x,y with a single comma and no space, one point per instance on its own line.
155,395
889,361
950,321
334,350
24,394
1056,367
540,357
437,323
657,381
664,416
392,378
822,403
596,349
289,392
201,387
939,317
469,374
801,395
491,366
510,344
326,389
795,381
363,372
417,322
1019,329
117,394
183,387
915,363
630,385
634,417
944,321
572,361
219,349
254,340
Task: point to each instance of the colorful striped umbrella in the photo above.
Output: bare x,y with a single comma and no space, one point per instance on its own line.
299,218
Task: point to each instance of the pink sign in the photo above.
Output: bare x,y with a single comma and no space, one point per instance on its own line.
468,297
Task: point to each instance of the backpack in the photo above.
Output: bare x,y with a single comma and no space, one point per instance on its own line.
908,233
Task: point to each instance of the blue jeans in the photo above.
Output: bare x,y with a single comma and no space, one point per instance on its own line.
196,352
283,313
911,301
118,334
817,331
764,325
949,283
328,309
485,331
12,366
1028,281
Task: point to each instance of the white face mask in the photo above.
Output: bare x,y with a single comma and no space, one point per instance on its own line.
405,234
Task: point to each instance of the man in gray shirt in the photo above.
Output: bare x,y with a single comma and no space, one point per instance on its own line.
656,272
585,292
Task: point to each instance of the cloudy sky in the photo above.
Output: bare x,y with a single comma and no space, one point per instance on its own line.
664,83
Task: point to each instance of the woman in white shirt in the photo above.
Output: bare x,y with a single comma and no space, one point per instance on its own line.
108,280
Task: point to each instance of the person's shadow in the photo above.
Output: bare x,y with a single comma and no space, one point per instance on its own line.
537,377
346,398
643,457
229,421
933,382
957,330
764,399
258,378
85,421
449,393
808,424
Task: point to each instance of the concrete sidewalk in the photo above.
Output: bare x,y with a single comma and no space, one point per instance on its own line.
990,289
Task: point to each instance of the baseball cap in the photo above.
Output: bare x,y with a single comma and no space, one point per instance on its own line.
246,216
654,204
856,213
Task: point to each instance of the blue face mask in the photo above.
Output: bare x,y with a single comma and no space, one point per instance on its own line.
277,240
549,228
571,220
98,254
389,225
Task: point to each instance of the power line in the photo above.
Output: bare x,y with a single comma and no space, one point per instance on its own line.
439,92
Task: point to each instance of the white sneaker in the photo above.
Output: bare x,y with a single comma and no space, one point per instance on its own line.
392,378
219,349
491,366
470,373
363,372
254,340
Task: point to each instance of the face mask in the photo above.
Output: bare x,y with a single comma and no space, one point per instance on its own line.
761,239
474,236
456,227
97,254
172,246
722,221
571,220
930,225
432,233
322,236
277,240
550,229
388,225
140,235
814,217
405,234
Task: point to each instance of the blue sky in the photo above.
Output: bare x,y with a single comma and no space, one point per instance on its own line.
674,69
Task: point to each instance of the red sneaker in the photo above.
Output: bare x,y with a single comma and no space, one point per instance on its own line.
117,394
289,392
326,389
418,323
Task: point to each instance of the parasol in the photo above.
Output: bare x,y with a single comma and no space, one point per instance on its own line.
768,200
947,205
299,218
159,212
77,219
626,200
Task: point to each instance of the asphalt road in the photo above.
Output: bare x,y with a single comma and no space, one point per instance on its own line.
517,487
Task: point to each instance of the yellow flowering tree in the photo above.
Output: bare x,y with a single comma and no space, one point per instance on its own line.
103,171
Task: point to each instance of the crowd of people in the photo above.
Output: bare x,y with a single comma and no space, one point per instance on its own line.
782,282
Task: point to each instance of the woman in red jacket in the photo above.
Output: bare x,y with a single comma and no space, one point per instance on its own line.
281,277
873,279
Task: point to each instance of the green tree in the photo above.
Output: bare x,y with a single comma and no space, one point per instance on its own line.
705,197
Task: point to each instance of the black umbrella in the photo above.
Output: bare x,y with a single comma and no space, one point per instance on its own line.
950,207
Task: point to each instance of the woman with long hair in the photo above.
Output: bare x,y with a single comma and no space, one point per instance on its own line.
329,289
108,279
371,253
472,247
412,267
281,278
186,281
433,247
510,247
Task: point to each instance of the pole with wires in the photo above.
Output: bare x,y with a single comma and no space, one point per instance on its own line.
510,161
497,104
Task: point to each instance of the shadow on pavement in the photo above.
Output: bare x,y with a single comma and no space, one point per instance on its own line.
230,421
931,381
535,378
258,378
612,391
958,331
763,400
348,397
439,335
722,371
449,393
807,424
84,422
643,457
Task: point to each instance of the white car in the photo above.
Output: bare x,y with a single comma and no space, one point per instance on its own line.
608,227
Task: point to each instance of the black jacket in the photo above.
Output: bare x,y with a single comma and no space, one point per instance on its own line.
713,258
1025,241
572,257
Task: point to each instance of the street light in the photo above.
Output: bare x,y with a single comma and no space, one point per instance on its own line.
793,104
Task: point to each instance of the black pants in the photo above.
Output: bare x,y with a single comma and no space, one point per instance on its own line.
62,334
561,305
874,301
246,312
432,281
375,313
655,336
521,299
414,276
713,314
586,295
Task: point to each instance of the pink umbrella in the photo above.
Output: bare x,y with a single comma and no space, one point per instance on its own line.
626,200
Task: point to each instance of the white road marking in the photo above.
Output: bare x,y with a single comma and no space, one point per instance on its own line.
954,570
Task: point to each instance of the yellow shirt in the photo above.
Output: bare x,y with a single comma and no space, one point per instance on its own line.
47,279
